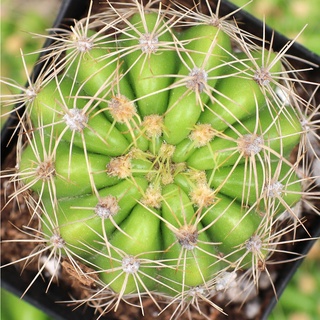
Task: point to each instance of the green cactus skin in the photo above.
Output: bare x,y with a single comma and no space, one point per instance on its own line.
155,61
185,209
206,45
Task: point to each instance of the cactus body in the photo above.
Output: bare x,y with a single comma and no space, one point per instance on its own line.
160,154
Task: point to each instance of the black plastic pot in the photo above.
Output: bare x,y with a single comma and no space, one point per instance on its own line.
11,278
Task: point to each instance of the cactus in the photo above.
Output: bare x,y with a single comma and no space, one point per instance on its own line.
160,155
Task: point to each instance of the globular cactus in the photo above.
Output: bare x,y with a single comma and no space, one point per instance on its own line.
161,154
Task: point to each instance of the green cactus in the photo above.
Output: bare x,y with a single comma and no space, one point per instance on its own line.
160,155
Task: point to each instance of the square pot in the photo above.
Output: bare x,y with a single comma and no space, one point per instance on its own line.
11,279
